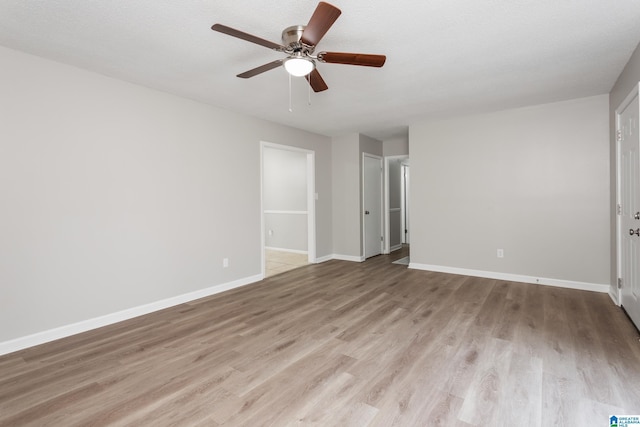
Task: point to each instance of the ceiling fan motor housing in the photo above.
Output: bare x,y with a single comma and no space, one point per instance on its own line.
291,39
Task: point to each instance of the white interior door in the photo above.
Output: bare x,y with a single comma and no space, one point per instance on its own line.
629,208
372,205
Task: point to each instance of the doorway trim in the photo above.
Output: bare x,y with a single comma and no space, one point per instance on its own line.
311,201
387,208
616,292
405,203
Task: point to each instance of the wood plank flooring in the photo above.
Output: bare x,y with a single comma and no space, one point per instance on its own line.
342,344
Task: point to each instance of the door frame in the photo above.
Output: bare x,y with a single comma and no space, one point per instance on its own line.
385,213
616,291
311,201
406,203
362,209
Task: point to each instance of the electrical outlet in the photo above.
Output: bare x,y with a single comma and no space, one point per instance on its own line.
500,253
225,262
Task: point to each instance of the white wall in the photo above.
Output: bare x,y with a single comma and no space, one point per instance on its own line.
627,80
284,196
533,181
288,232
115,195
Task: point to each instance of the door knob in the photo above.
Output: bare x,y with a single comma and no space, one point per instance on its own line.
637,215
636,232
366,212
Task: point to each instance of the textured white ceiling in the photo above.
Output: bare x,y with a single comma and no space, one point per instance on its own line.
443,56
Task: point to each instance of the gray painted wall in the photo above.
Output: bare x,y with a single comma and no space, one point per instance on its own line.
285,189
533,181
346,195
347,153
370,146
116,196
398,146
629,78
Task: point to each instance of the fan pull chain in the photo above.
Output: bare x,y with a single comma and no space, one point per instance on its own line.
290,107
309,93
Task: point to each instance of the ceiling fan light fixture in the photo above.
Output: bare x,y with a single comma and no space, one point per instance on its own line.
299,66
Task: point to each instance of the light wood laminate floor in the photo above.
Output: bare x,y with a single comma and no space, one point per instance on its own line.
342,344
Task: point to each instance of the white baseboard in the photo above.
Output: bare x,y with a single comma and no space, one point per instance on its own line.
395,248
293,251
614,296
323,259
352,258
98,322
584,286
339,257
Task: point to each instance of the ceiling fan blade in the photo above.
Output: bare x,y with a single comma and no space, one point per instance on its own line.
316,81
261,69
321,20
352,59
248,37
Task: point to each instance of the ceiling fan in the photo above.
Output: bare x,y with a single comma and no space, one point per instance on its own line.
299,43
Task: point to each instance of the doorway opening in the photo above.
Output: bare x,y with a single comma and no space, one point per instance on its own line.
287,207
397,207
